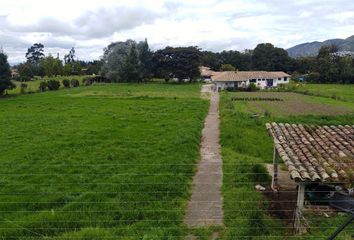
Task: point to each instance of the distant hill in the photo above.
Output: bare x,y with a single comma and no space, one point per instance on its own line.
311,49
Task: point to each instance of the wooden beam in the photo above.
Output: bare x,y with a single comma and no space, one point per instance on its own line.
275,170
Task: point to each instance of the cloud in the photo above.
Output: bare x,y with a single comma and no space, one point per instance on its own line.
90,25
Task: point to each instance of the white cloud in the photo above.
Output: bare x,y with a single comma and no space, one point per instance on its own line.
90,25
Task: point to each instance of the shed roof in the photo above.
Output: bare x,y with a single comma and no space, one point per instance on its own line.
246,75
315,153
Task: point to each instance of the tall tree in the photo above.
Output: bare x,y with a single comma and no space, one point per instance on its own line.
5,74
35,53
145,60
70,57
114,57
181,62
131,71
127,61
269,58
53,66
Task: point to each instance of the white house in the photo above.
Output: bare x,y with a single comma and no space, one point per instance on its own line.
242,79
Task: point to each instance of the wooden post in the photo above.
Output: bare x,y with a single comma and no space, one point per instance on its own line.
299,225
275,170
300,196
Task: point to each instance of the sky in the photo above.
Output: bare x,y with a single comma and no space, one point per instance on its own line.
215,25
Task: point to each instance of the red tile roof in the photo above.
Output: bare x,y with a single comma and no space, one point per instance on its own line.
315,153
246,75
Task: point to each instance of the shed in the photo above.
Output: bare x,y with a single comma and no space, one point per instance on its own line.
313,154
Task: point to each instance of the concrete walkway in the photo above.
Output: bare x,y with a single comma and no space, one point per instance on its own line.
205,206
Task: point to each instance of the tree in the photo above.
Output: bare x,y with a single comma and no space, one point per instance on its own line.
70,57
181,63
211,59
145,59
126,61
227,67
35,53
114,57
25,71
5,74
52,66
131,71
269,58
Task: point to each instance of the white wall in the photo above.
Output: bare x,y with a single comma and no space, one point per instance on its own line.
262,84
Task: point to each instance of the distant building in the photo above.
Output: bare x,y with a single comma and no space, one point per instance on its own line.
206,73
242,79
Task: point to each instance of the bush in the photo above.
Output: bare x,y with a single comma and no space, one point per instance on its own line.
23,87
66,83
313,77
252,88
74,83
53,85
43,86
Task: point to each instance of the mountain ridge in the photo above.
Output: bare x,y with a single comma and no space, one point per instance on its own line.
312,48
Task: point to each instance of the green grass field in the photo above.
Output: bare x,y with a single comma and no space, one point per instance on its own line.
32,86
246,146
110,161
343,92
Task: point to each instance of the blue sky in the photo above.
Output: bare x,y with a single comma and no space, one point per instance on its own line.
90,25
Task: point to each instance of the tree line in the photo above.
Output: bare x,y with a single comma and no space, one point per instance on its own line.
131,61
37,64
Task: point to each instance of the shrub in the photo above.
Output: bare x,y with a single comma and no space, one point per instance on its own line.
53,85
74,83
252,88
23,87
314,77
43,86
66,83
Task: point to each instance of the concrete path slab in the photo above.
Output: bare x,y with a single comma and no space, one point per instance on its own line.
205,207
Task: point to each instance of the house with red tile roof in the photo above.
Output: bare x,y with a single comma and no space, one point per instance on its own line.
242,79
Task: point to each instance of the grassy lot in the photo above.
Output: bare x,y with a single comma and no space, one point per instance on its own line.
246,146
110,161
343,92
34,84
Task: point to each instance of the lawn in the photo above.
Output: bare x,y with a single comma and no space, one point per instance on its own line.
343,92
246,146
32,86
111,161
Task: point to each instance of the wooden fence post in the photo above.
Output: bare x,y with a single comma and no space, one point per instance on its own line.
275,170
299,224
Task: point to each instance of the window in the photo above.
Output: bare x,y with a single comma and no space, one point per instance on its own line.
285,79
279,79
253,80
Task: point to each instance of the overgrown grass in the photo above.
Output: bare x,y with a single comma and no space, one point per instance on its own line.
111,161
246,146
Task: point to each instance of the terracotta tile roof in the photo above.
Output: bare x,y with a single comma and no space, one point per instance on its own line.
246,75
315,153
206,71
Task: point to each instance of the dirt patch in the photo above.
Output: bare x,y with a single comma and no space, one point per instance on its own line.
292,104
